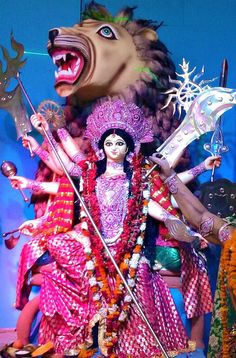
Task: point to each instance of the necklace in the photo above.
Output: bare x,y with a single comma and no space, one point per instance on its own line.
115,165
112,194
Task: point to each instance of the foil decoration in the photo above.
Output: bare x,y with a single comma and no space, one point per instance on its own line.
11,100
9,169
185,91
216,145
201,118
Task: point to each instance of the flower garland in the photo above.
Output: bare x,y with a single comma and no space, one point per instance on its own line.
227,281
232,265
128,250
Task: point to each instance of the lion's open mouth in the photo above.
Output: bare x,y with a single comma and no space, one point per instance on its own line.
70,65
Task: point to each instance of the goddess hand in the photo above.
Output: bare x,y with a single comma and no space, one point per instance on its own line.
214,160
38,121
164,168
28,141
30,227
18,182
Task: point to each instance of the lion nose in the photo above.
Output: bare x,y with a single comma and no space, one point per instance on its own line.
53,34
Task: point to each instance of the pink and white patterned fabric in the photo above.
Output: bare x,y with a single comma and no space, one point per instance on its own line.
69,312
154,296
195,284
65,299
30,252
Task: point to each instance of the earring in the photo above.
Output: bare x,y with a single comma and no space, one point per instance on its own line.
129,157
100,154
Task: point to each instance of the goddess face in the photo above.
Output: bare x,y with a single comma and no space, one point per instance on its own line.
115,148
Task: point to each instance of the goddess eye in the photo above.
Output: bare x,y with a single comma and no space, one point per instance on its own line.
107,32
120,143
108,144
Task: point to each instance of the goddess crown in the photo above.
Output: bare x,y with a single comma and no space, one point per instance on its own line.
118,114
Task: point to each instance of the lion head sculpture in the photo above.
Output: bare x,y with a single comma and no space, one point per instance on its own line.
113,56
119,57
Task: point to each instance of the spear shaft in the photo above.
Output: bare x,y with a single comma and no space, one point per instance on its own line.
159,344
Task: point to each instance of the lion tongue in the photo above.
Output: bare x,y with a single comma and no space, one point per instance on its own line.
70,71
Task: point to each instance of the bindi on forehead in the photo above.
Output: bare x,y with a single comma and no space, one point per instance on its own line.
114,137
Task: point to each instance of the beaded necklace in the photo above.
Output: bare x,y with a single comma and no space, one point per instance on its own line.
115,165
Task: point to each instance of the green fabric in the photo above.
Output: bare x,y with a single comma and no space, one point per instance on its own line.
167,258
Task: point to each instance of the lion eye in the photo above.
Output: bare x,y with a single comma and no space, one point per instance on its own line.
107,32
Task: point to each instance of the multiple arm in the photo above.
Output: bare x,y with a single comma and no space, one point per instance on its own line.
34,185
207,164
157,212
43,154
70,146
208,224
70,154
32,227
68,151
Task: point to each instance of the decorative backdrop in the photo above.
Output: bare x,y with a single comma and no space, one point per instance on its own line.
201,31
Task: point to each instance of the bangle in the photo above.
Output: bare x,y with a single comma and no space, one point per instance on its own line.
41,153
199,169
74,170
35,186
52,140
172,183
63,134
206,227
224,233
78,157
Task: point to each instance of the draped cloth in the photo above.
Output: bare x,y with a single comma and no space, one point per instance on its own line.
194,275
68,310
59,219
